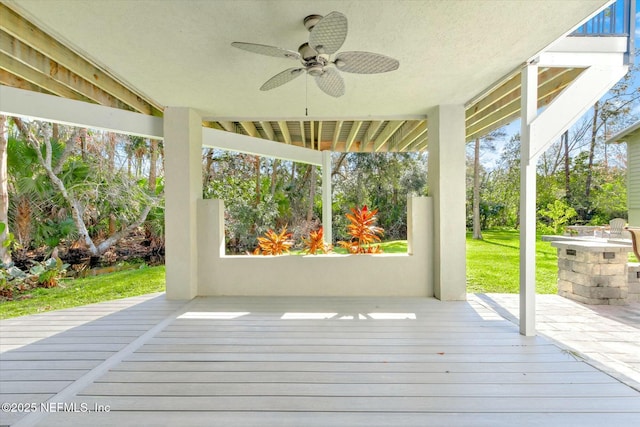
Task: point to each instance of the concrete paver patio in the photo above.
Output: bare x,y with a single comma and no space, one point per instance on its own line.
607,336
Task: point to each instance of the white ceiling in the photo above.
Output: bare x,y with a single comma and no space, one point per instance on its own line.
178,52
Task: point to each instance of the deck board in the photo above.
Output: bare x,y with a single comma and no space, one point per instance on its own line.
301,361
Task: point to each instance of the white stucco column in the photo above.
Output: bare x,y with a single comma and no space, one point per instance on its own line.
529,105
327,212
183,188
446,170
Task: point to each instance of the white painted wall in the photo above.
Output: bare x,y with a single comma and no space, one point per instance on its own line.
316,275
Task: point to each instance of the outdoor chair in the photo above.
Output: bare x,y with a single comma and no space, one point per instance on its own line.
635,240
616,226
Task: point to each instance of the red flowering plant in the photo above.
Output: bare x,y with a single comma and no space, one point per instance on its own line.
273,243
363,231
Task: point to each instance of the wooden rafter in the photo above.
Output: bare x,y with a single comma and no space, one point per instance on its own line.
303,138
373,128
42,72
24,72
406,128
228,126
508,109
27,33
268,130
390,128
250,129
336,135
355,128
212,125
414,134
319,133
284,129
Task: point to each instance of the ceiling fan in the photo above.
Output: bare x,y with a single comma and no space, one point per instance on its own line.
328,33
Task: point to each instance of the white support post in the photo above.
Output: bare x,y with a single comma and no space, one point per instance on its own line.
183,189
529,105
327,211
447,186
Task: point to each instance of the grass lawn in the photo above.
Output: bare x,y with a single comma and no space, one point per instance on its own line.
492,266
75,292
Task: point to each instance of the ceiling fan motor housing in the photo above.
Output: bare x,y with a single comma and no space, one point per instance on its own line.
311,21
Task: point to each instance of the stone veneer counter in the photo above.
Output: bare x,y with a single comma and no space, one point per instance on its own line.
593,272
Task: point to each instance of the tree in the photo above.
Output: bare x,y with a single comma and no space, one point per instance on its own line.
489,145
55,168
5,256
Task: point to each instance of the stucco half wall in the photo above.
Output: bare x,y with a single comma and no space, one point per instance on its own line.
408,274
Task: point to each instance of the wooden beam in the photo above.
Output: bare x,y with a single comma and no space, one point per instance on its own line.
508,112
386,133
228,126
23,30
13,66
268,130
336,135
38,62
355,128
319,133
286,135
312,136
406,142
261,147
38,106
250,129
302,135
373,128
401,133
212,125
420,144
479,111
10,79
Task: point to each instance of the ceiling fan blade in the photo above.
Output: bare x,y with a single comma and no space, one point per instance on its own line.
282,78
365,63
328,35
267,50
331,83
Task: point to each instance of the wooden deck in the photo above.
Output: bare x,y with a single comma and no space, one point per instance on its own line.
297,362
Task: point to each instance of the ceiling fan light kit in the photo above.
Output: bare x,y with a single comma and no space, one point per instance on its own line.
327,35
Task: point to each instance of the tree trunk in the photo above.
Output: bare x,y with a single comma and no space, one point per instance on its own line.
258,195
592,150
5,256
111,151
567,171
312,193
477,229
153,160
274,176
83,143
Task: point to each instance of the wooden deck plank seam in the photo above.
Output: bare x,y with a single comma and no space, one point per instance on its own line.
71,391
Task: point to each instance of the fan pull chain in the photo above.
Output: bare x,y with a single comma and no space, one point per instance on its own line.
306,95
